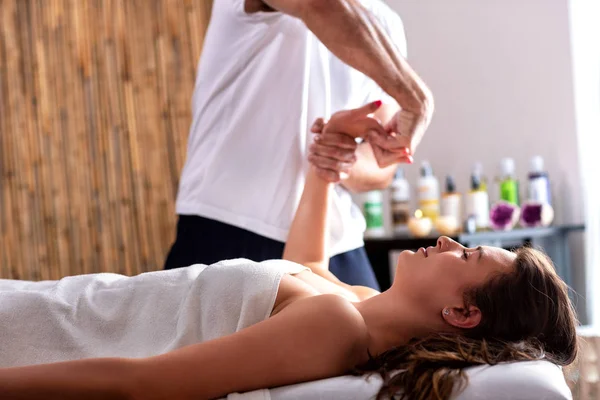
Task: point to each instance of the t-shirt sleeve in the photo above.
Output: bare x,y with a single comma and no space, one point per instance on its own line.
260,16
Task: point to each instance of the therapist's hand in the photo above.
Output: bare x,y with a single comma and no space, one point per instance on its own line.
404,131
333,152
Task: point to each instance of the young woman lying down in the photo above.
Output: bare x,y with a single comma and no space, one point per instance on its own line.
205,331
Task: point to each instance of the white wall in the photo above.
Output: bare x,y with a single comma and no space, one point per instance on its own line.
501,74
500,71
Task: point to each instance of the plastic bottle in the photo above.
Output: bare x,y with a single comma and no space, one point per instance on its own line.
428,192
539,184
373,210
509,186
477,204
451,200
400,202
478,170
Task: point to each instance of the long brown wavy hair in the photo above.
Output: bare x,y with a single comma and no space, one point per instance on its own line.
526,315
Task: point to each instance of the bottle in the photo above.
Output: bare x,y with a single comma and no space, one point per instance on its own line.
477,204
478,170
373,210
451,200
428,192
400,202
509,186
539,184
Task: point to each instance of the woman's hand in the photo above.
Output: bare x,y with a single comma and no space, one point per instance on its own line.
333,152
357,122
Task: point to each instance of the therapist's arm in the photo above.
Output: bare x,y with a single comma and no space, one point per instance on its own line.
357,38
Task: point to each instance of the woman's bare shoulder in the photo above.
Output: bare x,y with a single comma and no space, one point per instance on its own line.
291,290
338,315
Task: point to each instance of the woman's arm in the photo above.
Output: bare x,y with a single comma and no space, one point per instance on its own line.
307,241
101,378
294,346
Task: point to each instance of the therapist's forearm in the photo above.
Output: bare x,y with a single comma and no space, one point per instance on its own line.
84,379
356,37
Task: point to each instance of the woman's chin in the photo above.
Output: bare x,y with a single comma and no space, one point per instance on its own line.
405,259
406,255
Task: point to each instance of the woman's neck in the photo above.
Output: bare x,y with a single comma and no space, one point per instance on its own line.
390,322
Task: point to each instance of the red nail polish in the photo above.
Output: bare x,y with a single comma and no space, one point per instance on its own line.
378,103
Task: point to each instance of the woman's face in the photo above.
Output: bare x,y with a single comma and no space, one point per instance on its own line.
437,277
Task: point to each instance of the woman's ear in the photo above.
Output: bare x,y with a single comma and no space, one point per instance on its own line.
464,318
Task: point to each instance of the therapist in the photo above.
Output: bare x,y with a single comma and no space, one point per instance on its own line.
268,70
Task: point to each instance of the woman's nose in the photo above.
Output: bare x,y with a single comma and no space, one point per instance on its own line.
444,243
441,243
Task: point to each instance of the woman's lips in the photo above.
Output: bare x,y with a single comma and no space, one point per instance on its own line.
424,251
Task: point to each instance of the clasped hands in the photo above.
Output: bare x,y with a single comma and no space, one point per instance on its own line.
333,152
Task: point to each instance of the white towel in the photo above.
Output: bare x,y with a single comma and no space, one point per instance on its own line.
110,315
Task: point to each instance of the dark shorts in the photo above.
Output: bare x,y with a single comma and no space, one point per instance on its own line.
206,241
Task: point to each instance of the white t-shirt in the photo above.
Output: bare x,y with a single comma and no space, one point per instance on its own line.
262,80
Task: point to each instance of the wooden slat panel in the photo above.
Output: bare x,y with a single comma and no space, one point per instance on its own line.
94,117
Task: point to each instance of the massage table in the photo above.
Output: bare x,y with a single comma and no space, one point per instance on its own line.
530,380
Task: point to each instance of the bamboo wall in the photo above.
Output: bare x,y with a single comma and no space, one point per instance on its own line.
94,117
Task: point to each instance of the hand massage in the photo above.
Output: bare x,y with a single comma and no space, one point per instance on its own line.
267,291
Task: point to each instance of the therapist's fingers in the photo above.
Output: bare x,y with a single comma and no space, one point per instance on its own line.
329,175
332,152
330,163
394,143
337,140
317,126
386,158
